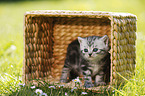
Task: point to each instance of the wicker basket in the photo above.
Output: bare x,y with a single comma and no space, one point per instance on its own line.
48,33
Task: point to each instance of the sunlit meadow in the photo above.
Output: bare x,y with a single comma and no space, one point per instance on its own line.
11,45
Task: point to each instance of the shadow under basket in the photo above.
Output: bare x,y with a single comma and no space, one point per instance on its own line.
47,34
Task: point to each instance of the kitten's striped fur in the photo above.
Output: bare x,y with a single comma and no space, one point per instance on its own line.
88,57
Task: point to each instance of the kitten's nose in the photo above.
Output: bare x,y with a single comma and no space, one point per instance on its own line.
90,54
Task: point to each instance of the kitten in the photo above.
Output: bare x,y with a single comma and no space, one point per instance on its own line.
88,57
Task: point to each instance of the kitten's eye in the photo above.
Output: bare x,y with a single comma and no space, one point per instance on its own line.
85,50
95,49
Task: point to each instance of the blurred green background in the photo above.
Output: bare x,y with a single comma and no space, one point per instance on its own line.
12,22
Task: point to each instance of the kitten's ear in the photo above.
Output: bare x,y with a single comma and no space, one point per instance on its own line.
80,39
105,38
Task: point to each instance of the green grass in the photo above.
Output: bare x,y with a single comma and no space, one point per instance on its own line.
11,42
54,90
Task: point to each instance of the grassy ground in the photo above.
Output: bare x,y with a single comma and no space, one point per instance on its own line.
11,41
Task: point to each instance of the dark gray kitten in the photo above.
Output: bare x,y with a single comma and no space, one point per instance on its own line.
88,57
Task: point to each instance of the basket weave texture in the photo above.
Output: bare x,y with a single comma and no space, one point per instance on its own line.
48,33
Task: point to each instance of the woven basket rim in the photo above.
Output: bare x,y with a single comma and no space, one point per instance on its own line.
68,13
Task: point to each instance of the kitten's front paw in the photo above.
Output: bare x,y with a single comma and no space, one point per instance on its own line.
88,84
100,83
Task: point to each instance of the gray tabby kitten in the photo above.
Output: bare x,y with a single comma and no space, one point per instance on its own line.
88,57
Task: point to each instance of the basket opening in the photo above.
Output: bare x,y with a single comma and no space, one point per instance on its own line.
47,38
65,30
